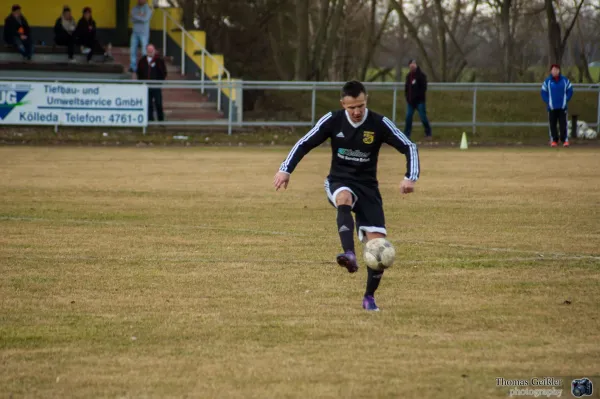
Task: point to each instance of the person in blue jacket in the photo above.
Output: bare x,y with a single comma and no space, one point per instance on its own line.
556,92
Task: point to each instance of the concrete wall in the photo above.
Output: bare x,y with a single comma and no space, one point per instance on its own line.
43,13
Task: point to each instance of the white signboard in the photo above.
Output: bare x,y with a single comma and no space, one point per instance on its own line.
73,104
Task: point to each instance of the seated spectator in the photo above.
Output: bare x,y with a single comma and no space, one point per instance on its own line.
17,32
86,37
64,32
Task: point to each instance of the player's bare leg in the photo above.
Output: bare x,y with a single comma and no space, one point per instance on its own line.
345,223
373,278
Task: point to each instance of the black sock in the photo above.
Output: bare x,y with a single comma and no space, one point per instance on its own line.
373,280
345,224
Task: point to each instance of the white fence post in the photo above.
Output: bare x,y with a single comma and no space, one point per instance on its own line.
240,102
164,47
598,117
219,92
203,71
230,113
474,109
182,53
394,104
313,106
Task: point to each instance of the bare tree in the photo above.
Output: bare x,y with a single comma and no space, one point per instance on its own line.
441,34
557,42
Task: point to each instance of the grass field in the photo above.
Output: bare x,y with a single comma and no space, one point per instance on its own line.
180,273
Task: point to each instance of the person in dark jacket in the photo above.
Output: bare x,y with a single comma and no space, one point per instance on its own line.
64,31
17,32
86,36
415,88
152,67
556,92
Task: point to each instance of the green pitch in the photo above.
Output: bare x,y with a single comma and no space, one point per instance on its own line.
180,272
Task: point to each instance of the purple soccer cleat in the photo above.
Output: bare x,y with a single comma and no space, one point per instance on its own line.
348,260
369,303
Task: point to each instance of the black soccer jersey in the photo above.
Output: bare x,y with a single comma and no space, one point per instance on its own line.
355,147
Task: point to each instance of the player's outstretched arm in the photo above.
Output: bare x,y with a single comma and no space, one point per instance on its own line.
316,136
399,141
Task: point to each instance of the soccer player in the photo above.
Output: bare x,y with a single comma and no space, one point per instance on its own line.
356,135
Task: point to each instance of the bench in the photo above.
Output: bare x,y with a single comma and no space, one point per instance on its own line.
45,53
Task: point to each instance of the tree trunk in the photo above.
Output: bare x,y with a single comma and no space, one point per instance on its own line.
554,34
583,62
556,42
302,40
441,38
507,40
369,41
399,57
321,34
188,14
332,36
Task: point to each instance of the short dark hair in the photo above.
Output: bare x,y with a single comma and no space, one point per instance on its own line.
353,89
15,7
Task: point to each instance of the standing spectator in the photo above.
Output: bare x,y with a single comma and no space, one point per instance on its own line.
17,32
556,92
64,32
140,34
86,37
415,88
152,67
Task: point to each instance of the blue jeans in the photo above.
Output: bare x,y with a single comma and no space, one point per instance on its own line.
410,111
137,39
25,47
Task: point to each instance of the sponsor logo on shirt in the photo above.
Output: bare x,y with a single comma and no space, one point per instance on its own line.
353,155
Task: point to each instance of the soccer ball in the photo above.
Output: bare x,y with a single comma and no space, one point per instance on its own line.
591,134
582,128
379,254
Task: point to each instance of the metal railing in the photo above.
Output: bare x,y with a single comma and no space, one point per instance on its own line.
204,53
395,87
239,86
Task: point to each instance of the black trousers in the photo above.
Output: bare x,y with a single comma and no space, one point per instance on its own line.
560,116
155,100
25,47
93,44
66,40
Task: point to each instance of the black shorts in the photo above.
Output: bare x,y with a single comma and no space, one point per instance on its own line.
367,205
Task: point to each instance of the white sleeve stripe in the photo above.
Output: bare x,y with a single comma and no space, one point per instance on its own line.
414,163
307,136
